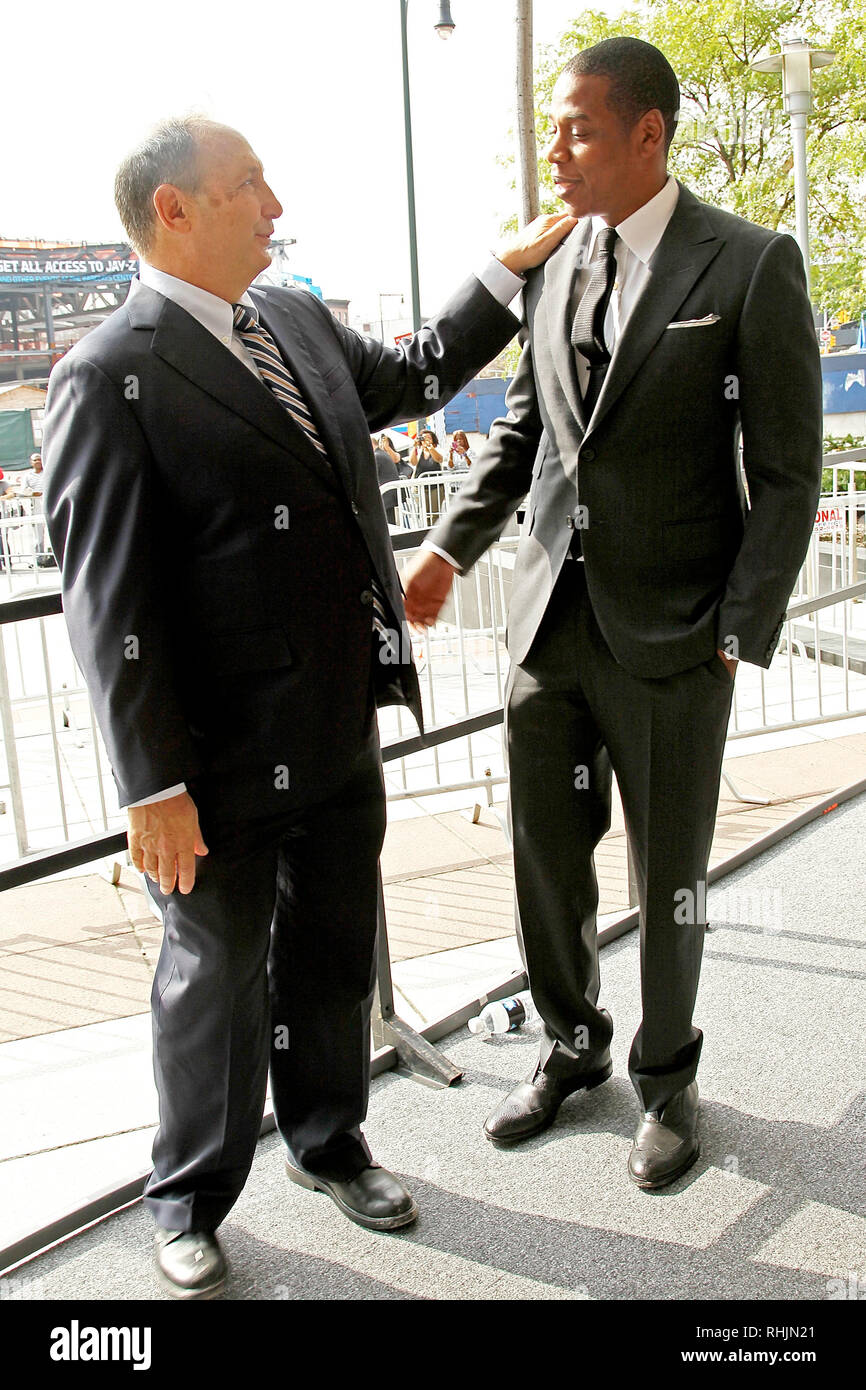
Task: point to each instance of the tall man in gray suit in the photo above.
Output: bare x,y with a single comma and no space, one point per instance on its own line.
660,332
227,576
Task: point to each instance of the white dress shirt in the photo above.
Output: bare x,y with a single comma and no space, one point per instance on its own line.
217,316
638,237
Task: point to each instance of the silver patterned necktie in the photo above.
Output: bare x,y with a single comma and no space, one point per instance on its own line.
276,375
587,333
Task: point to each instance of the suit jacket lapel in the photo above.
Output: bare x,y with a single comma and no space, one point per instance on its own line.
180,340
283,328
560,275
683,254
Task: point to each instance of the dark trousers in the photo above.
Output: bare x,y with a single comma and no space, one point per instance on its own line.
270,960
573,714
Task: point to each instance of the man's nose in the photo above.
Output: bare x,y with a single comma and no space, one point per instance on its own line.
272,208
555,153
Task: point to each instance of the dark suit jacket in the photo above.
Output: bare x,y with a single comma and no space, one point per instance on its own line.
216,569
721,342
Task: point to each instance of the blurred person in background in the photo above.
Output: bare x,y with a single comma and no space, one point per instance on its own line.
460,456
7,494
425,456
30,485
389,469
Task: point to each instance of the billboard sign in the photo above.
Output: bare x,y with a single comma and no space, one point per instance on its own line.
106,264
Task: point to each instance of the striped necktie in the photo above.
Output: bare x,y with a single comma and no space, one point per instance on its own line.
274,371
276,375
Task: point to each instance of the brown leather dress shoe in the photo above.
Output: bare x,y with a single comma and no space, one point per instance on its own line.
666,1141
375,1198
532,1106
190,1264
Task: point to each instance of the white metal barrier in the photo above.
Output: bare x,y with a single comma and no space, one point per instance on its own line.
417,503
24,541
56,773
57,781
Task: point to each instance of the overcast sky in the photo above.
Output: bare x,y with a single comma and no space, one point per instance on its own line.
315,86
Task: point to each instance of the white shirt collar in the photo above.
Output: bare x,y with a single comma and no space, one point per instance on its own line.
213,313
642,231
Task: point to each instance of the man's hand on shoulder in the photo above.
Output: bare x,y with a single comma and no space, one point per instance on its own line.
534,242
164,839
427,583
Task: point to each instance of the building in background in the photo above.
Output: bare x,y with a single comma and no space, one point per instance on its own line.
53,293
340,309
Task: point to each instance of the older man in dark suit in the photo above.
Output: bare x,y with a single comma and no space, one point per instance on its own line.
659,334
229,634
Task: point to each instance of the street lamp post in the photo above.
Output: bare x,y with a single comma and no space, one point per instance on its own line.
527,145
796,63
387,294
444,28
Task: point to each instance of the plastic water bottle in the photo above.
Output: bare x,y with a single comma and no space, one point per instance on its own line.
505,1015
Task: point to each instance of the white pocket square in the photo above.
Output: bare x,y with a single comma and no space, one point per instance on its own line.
695,323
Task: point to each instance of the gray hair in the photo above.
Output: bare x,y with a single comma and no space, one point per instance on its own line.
169,154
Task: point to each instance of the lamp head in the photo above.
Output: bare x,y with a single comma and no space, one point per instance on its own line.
796,62
445,25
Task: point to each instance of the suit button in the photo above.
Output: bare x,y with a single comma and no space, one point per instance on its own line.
588,454
367,597
355,508
569,521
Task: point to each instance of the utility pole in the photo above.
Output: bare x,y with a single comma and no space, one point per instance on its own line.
527,159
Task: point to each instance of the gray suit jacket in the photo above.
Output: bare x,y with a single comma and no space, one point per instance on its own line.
721,342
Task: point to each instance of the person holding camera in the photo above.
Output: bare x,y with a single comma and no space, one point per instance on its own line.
425,456
460,456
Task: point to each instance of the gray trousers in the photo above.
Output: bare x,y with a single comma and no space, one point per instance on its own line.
573,715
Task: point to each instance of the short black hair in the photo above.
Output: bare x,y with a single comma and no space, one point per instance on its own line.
169,154
641,80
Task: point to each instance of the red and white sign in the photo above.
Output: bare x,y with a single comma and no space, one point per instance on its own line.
830,517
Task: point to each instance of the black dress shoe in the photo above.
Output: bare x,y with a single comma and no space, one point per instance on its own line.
374,1198
190,1264
666,1141
532,1106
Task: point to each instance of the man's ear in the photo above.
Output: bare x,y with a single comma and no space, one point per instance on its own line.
651,133
170,206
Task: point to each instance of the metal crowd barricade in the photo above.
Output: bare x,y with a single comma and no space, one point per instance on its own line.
419,502
821,658
24,543
818,675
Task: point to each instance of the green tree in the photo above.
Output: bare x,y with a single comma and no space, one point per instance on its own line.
733,142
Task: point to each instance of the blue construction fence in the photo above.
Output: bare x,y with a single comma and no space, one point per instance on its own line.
476,407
